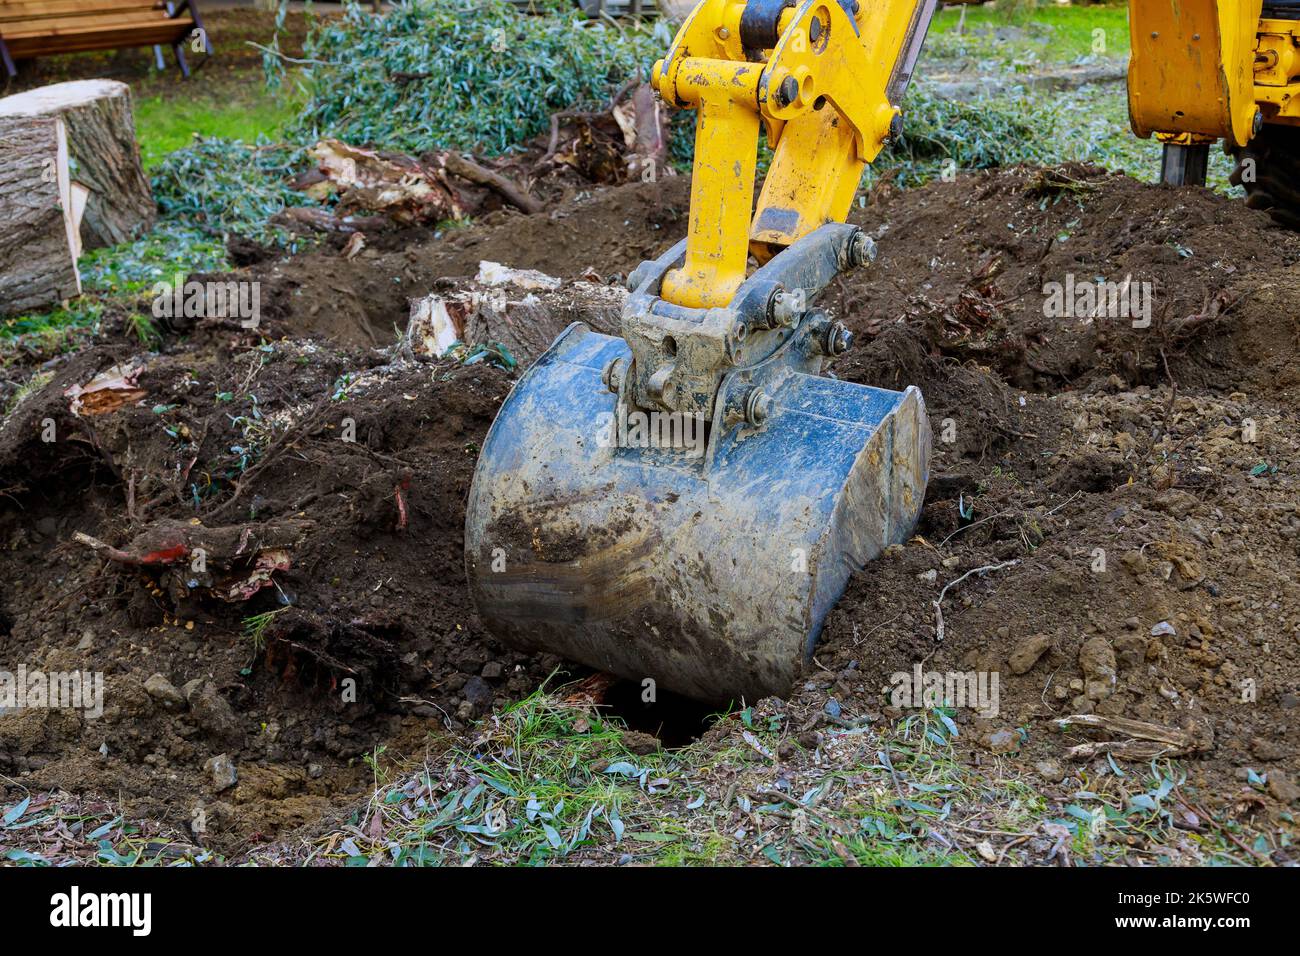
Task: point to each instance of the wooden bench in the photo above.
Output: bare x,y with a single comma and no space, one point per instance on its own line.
32,28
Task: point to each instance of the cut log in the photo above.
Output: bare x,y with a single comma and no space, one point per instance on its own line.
520,310
39,243
105,157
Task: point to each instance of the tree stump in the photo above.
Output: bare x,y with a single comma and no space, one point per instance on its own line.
105,155
39,241
520,310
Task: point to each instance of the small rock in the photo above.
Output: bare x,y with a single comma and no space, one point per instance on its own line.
1267,750
832,707
164,691
1135,561
478,694
222,771
87,640
1050,770
1097,689
1024,657
1130,650
1282,788
1097,660
1003,741
985,850
213,714
492,670
315,770
1163,629
640,743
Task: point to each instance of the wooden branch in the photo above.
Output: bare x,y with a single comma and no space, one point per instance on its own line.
511,192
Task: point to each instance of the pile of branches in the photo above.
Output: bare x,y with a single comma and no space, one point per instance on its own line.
359,189
436,111
469,75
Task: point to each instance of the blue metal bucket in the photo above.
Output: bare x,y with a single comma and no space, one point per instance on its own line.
709,567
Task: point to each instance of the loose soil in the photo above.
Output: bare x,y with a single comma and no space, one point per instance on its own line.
1155,573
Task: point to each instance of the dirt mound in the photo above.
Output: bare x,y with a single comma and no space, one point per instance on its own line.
285,535
1141,561
1131,491
362,301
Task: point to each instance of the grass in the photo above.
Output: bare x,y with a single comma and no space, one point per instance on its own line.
256,625
1026,32
550,780
116,280
33,385
165,124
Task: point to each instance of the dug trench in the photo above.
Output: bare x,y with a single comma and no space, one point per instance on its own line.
1112,509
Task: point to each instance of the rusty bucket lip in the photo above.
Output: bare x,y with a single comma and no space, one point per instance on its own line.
557,461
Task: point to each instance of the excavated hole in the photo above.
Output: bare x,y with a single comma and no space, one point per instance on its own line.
676,720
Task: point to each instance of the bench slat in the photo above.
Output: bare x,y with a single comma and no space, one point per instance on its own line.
104,38
64,25
62,8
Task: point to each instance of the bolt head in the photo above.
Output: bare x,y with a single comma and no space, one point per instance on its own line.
758,407
839,339
788,91
781,311
862,250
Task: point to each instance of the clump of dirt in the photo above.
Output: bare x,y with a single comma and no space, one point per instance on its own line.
1128,491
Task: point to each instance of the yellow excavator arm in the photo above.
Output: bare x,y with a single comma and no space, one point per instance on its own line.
822,80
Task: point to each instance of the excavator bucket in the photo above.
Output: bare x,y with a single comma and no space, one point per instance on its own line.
685,504
707,566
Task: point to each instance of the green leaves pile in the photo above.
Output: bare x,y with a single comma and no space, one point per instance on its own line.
462,74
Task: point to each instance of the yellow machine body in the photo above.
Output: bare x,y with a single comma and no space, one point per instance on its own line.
1203,70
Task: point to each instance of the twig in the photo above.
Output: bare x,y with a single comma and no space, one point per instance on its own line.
511,192
272,452
938,602
164,556
286,58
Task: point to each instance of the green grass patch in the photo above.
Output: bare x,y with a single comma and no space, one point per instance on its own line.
1024,33
165,124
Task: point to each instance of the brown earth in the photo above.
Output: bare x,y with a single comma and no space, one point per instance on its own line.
1055,437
